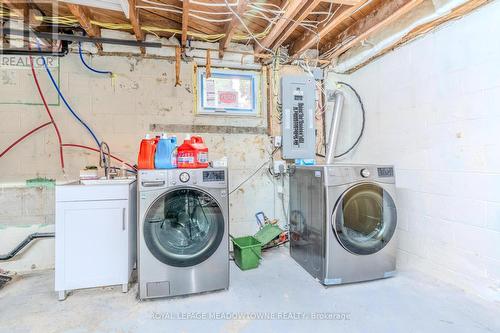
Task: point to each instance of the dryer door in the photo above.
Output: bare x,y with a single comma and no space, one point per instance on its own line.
183,227
364,218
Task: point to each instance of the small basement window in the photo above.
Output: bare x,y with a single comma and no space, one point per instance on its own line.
228,92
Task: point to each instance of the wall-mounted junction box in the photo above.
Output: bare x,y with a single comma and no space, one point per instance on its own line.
298,125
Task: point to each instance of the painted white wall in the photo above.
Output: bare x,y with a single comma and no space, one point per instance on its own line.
433,110
121,112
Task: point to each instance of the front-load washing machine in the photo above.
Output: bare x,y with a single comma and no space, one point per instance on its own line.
343,222
183,244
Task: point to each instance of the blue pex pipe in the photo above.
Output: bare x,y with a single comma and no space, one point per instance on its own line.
86,65
67,104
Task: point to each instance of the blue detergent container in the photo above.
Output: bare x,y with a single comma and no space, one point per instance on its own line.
166,157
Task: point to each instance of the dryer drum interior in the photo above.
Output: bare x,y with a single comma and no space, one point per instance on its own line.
364,219
184,227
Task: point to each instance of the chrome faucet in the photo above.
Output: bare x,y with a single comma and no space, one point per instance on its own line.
105,162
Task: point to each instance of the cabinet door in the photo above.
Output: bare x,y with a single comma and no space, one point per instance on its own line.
92,243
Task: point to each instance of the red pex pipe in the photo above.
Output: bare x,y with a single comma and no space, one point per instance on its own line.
23,137
97,150
52,121
61,155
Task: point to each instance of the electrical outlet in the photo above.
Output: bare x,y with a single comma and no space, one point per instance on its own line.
276,167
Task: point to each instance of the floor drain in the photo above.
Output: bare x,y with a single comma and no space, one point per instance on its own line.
3,280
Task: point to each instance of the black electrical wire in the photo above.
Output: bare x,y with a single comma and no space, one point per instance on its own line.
363,124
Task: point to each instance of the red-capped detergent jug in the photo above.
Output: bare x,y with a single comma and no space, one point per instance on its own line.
147,152
192,153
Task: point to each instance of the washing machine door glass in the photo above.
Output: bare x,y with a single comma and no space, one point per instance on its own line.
364,219
183,227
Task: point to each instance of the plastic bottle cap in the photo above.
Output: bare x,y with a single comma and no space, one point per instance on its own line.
164,136
188,137
148,136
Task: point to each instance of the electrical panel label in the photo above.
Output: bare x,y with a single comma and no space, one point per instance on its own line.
298,125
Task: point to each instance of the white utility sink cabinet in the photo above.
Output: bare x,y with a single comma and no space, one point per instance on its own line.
95,235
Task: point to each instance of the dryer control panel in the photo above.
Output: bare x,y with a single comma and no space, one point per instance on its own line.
344,174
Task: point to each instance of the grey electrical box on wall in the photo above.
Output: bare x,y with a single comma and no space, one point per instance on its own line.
297,121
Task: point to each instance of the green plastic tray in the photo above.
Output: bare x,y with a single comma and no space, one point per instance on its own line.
267,233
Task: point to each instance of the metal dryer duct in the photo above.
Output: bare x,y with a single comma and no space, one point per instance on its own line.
338,97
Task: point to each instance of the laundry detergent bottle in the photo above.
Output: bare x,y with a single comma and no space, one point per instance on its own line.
146,159
192,153
166,153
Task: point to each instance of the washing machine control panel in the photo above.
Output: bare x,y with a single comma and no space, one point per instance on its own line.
210,177
184,177
365,173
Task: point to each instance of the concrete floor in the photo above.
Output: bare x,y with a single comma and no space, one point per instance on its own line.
409,302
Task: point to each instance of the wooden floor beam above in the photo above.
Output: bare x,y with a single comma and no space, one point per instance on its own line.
185,22
304,12
22,9
310,39
291,11
343,2
230,27
134,20
335,27
83,17
384,15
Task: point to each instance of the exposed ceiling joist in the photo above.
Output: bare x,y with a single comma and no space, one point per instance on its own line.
291,11
309,39
116,5
83,17
384,15
22,9
185,21
230,27
306,10
125,8
343,2
134,20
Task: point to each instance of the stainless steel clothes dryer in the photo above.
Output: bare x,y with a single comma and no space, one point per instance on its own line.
183,245
343,222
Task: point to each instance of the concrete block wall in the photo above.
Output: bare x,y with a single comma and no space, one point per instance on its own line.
121,111
433,111
25,210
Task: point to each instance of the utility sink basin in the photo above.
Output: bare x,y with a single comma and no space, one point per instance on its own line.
107,181
95,189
